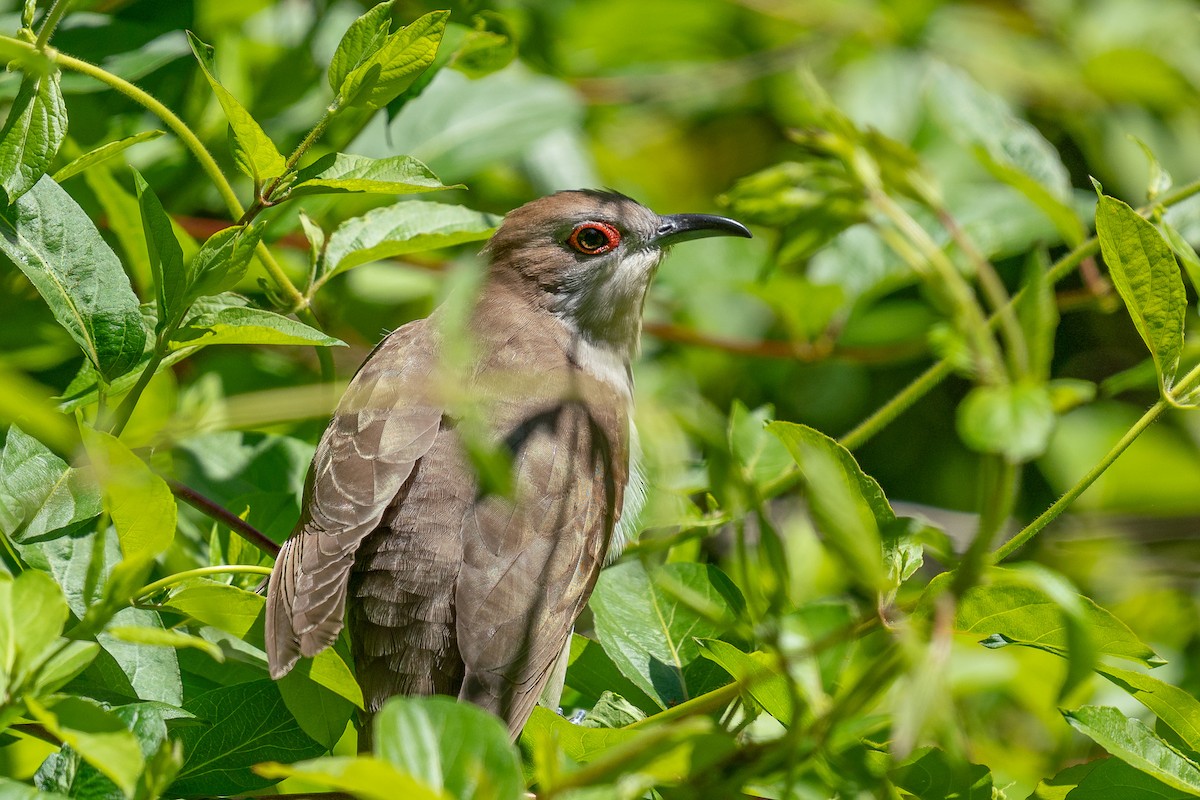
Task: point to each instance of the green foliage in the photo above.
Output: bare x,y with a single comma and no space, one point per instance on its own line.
799,618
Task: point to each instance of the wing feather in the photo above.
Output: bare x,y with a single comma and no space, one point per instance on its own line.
386,421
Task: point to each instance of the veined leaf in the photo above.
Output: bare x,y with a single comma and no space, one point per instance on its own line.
1185,252
254,152
339,173
1176,708
1132,742
244,725
228,319
39,492
406,227
1147,277
222,260
33,132
166,256
102,153
581,743
1096,780
931,774
848,506
398,62
361,40
650,633
99,736
1023,614
50,238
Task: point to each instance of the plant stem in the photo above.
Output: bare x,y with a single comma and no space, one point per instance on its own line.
53,17
1187,384
215,512
125,410
1000,492
200,572
1050,514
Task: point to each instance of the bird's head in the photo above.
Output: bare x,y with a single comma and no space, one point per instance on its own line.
588,257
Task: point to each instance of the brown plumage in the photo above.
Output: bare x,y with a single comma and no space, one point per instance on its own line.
452,589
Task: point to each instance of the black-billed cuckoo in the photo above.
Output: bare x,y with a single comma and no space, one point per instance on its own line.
454,589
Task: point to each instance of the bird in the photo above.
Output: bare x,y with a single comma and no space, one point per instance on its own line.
453,585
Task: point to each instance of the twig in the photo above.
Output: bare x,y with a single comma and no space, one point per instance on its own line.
232,521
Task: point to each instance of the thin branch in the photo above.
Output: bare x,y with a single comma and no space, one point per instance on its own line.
213,511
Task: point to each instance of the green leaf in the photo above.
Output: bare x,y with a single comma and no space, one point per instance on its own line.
241,613
322,714
1173,706
449,746
410,226
243,725
339,173
50,238
490,47
164,637
1184,252
581,743
1014,420
254,153
848,506
228,319
33,132
166,256
32,614
222,260
39,492
103,153
757,672
364,777
1132,742
15,790
650,633
1104,779
1147,278
930,774
64,664
1023,614
99,736
591,673
361,40
139,502
391,69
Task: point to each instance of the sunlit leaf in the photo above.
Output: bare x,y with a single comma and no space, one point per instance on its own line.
360,42
102,153
50,238
30,138
364,777
449,746
848,506
339,173
398,62
406,227
253,151
140,503
99,736
1145,273
1132,742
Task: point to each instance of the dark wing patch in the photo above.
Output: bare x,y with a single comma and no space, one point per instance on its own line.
386,421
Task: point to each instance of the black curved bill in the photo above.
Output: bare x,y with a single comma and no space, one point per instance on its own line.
675,228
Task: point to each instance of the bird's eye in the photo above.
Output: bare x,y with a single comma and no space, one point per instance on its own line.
594,238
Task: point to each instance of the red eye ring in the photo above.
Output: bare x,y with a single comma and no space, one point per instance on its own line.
594,238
